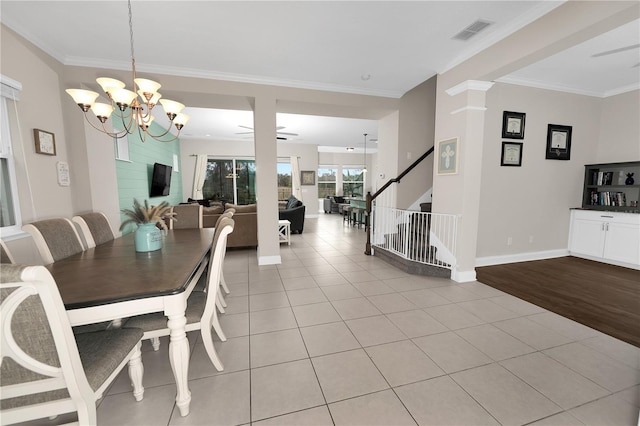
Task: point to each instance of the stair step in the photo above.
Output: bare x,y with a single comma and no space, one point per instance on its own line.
412,267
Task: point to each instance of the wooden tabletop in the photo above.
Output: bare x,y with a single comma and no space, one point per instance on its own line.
115,272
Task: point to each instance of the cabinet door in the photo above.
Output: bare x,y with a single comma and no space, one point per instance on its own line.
587,237
622,242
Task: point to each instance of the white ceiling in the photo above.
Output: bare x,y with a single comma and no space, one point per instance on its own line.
368,47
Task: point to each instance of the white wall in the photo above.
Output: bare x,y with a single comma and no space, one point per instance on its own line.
416,131
619,129
533,201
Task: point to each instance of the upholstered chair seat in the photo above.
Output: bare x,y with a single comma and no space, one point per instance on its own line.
55,239
95,228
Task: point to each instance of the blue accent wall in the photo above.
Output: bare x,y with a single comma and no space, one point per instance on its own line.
134,176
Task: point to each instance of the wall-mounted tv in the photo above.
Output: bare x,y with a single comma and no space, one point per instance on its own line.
161,180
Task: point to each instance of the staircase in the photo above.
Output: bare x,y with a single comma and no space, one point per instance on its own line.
421,243
417,242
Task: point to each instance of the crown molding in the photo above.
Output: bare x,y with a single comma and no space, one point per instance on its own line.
238,78
566,89
482,86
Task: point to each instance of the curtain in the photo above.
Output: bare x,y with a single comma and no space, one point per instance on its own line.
199,175
295,178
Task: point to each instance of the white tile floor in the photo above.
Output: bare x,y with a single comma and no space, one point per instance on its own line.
332,336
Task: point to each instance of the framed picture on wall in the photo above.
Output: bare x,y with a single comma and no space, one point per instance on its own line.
513,125
558,142
307,177
511,154
45,142
448,156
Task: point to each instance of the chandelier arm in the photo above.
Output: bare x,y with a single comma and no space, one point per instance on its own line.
157,137
128,127
116,135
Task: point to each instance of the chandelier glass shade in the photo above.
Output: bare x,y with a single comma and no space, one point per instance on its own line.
133,108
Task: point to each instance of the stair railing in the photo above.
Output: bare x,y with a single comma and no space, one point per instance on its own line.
370,197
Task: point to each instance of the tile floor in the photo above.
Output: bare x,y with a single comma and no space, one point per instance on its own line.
332,336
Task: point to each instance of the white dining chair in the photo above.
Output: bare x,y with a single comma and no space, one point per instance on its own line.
186,216
46,370
220,302
201,306
55,239
95,227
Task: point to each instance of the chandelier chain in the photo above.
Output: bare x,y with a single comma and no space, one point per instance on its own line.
133,57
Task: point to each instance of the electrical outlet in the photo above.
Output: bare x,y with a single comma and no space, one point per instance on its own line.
530,239
509,241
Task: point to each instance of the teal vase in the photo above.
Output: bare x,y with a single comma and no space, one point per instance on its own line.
147,237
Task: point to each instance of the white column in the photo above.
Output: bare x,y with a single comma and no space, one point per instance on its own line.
264,117
460,193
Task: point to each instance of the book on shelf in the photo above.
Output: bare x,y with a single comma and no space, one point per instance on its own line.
608,198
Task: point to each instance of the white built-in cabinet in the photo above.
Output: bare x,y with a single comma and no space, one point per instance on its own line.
610,237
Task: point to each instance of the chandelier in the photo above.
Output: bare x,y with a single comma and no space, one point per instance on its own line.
132,107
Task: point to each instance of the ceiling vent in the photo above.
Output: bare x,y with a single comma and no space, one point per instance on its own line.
472,30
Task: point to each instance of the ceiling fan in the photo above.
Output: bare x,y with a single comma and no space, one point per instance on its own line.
282,136
621,49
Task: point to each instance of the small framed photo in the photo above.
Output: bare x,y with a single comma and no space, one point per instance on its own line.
45,142
513,125
448,156
558,142
307,177
511,154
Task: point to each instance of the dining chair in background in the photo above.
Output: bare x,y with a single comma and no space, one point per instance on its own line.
220,302
46,370
201,307
96,228
5,254
55,239
186,216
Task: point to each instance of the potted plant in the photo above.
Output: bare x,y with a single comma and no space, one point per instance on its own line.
148,237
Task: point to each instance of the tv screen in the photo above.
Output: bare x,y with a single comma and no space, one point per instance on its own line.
161,180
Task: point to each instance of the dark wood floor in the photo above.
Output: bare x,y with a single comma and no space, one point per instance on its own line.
601,296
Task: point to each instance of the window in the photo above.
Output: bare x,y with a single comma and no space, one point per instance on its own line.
284,181
10,219
353,182
232,181
327,181
122,148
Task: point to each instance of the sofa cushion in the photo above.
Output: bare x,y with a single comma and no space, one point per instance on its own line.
204,203
249,208
293,202
217,209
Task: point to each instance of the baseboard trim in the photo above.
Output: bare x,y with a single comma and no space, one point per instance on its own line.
269,260
520,257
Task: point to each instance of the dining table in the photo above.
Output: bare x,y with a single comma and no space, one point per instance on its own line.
112,281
